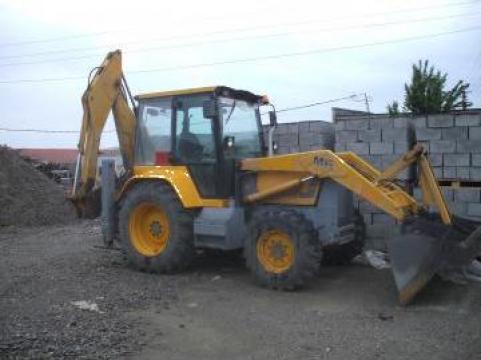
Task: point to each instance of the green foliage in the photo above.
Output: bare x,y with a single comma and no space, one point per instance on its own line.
426,93
393,109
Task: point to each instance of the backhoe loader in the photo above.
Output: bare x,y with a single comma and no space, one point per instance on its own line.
199,174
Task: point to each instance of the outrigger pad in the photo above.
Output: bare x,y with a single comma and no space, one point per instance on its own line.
426,246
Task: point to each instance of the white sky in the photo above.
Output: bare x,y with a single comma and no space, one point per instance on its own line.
160,34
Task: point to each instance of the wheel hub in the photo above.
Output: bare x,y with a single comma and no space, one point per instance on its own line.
149,229
275,251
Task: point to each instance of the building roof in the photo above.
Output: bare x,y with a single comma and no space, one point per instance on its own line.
60,156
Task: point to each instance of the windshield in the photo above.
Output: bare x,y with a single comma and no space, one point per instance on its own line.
238,119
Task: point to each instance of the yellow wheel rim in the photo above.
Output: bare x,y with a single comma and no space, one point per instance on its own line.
275,251
149,229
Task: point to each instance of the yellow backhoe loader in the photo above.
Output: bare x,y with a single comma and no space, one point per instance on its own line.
198,174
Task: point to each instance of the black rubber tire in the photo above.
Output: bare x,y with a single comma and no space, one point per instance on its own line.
180,246
307,248
343,254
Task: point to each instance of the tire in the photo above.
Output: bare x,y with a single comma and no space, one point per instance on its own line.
155,231
343,254
264,226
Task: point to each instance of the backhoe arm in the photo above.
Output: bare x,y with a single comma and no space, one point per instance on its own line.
105,92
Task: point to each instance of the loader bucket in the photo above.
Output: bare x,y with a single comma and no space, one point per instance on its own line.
427,247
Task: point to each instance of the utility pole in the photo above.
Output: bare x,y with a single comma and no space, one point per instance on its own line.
366,100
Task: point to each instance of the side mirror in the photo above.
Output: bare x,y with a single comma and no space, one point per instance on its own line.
272,118
209,109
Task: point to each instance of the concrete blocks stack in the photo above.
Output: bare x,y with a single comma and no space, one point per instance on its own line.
303,136
453,141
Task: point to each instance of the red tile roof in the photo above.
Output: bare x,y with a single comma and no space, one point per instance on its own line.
59,156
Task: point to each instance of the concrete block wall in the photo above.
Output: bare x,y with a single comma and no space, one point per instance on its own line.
453,141
303,136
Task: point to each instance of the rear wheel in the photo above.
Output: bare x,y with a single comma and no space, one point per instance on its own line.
155,230
282,250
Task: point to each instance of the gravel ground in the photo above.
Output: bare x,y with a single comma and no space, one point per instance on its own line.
213,311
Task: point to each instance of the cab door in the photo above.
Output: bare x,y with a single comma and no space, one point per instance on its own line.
196,144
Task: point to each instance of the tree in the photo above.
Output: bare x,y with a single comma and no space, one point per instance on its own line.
393,109
426,93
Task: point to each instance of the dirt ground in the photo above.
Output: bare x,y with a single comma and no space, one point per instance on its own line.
213,311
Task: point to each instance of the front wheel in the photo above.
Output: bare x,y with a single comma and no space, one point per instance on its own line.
282,250
155,231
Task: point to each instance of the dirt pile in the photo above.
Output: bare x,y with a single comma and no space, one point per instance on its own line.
28,197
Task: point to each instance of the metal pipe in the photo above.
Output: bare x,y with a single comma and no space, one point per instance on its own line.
276,189
270,139
76,176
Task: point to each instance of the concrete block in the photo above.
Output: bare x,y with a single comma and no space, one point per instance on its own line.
455,133
458,208
401,122
283,150
340,147
381,122
475,132
468,146
294,149
475,173
304,127
442,146
294,128
448,194
346,136
456,159
418,121
436,159
340,125
467,120
440,120
399,134
428,134
375,160
467,194
438,172
476,159
401,147
282,129
308,138
449,172
358,148
362,124
373,135
463,173
320,126
381,148
474,209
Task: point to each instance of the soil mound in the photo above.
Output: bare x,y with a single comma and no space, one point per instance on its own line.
28,197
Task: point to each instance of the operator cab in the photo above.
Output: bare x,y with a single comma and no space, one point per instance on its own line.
206,129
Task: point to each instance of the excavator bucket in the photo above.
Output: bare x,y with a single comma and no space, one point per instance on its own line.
427,247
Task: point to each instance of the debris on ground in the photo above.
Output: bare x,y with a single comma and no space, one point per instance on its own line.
28,197
87,305
375,258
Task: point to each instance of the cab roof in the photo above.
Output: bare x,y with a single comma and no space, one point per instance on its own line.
218,90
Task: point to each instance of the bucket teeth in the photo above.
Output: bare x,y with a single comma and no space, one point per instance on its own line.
427,247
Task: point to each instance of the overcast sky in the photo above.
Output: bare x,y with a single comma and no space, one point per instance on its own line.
297,52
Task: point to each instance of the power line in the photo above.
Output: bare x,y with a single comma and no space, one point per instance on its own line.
316,103
259,58
217,32
253,37
45,131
